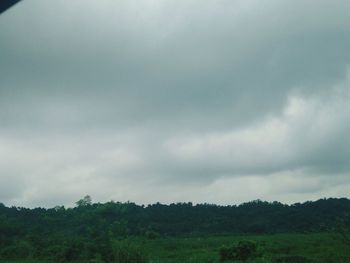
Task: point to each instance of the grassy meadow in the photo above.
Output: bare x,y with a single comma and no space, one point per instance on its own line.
294,248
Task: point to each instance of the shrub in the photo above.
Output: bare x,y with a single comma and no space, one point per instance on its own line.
125,252
151,234
21,249
244,250
56,252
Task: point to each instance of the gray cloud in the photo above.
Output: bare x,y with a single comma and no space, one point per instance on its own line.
221,101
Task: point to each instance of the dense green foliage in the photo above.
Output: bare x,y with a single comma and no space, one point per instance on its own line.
277,248
122,232
243,251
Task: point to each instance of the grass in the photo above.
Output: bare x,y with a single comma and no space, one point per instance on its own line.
297,248
320,248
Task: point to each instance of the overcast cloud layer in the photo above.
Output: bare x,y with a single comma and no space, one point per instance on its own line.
219,101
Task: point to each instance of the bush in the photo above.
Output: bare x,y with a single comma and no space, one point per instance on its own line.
151,234
21,249
56,252
125,252
244,250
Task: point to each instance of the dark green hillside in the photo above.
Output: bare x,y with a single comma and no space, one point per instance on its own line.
256,217
115,231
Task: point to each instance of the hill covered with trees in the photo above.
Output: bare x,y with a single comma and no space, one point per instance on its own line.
120,219
92,227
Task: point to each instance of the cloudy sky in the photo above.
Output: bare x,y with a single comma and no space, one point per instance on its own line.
219,101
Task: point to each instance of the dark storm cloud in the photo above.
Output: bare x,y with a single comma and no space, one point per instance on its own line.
180,97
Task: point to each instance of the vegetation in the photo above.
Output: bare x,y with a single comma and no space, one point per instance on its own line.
243,251
125,232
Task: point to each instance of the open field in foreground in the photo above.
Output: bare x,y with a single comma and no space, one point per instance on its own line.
297,248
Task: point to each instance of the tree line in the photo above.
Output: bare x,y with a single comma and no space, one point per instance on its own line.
93,227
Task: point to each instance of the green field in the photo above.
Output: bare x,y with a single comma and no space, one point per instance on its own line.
316,247
295,248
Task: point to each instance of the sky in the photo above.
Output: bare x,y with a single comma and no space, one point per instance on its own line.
214,101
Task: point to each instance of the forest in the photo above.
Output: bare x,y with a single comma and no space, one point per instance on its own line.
127,232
